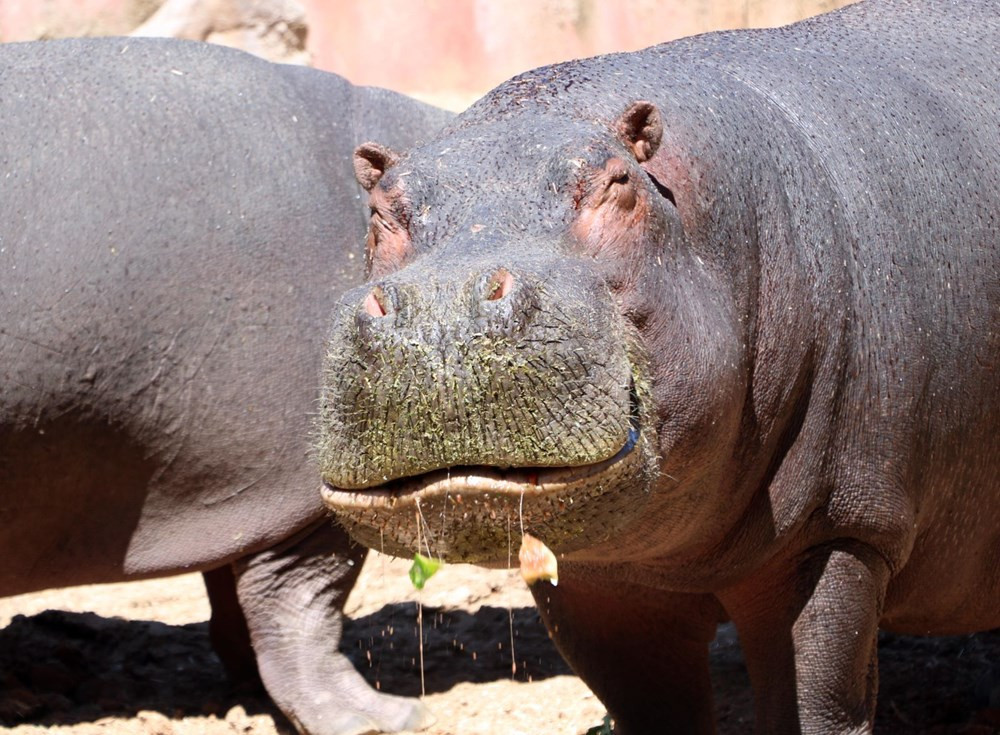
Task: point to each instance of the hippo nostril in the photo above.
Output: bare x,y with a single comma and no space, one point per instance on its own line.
375,302
499,285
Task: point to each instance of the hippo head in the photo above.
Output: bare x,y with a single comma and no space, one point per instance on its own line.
539,348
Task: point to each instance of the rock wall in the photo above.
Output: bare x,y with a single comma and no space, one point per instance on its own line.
452,51
447,51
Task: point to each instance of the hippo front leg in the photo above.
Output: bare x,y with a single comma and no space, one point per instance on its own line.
643,652
292,596
809,628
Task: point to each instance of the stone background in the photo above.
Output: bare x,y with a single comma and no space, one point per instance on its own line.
444,51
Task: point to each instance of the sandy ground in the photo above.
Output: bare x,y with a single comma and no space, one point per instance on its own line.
134,659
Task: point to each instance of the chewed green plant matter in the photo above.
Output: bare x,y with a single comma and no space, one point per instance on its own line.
423,569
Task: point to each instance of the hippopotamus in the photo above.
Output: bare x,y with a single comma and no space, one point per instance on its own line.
718,323
176,223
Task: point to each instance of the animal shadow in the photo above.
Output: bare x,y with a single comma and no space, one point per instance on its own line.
458,646
63,668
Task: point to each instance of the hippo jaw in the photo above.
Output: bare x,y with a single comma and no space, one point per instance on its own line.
477,514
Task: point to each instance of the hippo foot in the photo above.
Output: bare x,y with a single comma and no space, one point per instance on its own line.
350,707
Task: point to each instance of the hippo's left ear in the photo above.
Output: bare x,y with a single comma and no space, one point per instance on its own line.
641,128
371,161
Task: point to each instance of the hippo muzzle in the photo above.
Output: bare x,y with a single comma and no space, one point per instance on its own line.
462,410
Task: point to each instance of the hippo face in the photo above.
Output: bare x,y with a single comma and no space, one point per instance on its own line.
538,348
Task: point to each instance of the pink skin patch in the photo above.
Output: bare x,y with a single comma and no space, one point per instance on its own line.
500,285
612,211
388,233
373,304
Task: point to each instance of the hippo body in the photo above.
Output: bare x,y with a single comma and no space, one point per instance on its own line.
178,220
718,322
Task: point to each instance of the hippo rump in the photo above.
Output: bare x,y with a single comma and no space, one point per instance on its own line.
177,221
719,323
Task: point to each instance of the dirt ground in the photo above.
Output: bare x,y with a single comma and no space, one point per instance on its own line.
135,660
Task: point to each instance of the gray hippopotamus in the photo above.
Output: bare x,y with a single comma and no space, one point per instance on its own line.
177,221
719,323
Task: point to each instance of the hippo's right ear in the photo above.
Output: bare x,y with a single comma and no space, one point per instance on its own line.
641,128
371,161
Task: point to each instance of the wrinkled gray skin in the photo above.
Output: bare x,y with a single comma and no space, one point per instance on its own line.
774,255
176,223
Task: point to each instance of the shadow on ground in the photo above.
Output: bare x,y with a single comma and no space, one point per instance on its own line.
458,647
64,668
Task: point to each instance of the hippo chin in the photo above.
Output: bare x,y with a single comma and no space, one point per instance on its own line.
715,321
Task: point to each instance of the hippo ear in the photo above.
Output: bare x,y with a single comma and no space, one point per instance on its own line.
371,160
641,129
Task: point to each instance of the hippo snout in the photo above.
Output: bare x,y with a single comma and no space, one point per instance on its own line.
509,384
493,366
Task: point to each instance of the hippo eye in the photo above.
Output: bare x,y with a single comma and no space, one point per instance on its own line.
664,191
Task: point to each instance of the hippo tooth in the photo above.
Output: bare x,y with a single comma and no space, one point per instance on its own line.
537,561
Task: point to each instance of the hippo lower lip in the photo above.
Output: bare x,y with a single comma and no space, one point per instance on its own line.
521,480
475,513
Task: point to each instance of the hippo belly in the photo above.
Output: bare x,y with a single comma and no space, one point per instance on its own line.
177,222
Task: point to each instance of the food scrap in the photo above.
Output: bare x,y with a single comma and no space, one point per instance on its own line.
537,561
422,570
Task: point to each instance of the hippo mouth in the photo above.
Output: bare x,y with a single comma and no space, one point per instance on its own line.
477,514
519,480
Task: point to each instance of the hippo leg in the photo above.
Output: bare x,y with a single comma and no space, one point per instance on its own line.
809,634
292,596
228,627
644,653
